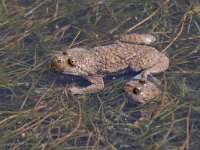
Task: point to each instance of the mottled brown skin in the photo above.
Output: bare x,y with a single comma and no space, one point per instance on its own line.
94,64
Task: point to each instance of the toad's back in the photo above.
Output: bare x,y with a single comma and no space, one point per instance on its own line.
120,55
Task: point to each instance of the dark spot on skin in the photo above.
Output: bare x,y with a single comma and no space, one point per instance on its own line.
142,81
128,85
64,53
136,90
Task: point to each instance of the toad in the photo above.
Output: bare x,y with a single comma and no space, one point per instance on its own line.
142,91
128,52
148,94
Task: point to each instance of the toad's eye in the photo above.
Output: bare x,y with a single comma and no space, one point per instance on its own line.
136,90
71,62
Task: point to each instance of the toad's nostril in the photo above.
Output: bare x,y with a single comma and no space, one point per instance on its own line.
59,61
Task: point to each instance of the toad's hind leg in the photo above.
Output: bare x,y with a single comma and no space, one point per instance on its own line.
150,67
160,66
138,39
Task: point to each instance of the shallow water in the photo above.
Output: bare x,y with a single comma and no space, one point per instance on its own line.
37,112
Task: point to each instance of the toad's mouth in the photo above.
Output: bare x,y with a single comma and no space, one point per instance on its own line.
54,67
60,70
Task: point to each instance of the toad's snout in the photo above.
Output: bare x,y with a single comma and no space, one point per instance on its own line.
56,63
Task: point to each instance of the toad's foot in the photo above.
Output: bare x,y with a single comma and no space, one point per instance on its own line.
97,85
143,77
87,90
75,90
138,39
139,76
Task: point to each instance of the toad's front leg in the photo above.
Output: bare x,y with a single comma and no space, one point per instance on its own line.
97,84
138,39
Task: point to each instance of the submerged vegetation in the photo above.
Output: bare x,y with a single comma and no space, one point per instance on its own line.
36,114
